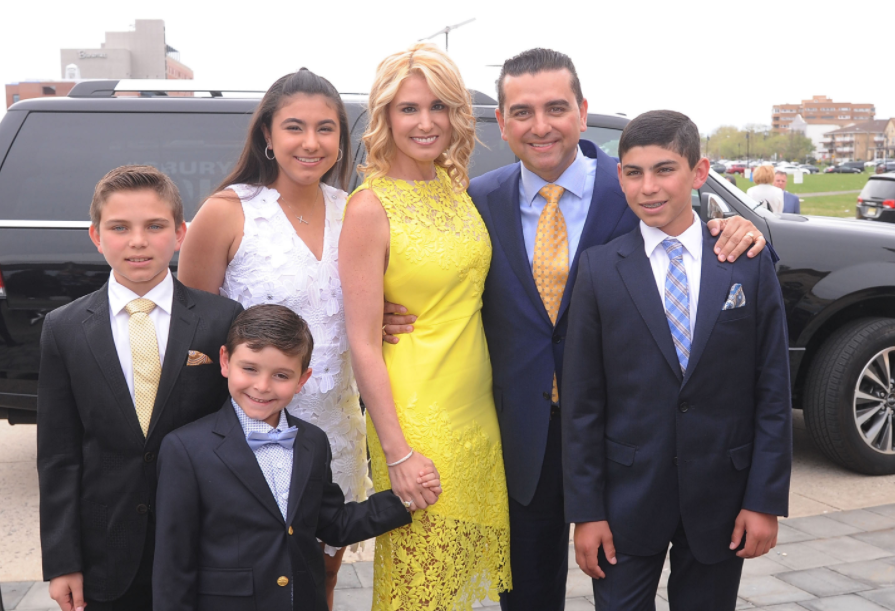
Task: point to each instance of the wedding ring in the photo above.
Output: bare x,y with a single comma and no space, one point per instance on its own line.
748,235
407,504
383,331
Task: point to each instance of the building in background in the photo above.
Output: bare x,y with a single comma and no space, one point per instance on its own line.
821,110
140,53
865,141
816,132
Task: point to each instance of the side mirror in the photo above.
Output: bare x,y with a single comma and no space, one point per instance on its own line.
715,207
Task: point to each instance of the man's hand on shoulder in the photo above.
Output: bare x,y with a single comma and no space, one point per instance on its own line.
395,321
737,235
589,537
760,530
68,591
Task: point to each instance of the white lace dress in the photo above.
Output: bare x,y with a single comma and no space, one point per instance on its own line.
273,265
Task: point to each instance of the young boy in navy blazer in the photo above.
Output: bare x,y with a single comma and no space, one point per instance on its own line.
244,494
119,369
677,416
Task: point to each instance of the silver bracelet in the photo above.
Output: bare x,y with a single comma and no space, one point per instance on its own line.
398,462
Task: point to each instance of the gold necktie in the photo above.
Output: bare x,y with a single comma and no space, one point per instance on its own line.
144,351
551,258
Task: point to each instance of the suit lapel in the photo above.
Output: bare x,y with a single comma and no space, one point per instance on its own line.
301,462
239,458
714,285
602,218
503,203
637,274
180,336
98,333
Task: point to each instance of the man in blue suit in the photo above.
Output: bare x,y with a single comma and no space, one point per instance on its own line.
542,113
791,202
677,419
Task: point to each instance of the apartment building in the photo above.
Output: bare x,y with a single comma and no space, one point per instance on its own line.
821,110
867,141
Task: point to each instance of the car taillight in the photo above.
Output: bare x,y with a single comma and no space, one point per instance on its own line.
860,200
2,287
889,203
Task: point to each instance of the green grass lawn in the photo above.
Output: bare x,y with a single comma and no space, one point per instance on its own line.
830,205
818,183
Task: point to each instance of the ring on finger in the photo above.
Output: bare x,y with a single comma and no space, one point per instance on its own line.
383,331
407,504
749,235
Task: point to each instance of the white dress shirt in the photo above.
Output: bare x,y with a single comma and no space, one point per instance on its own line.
162,296
691,240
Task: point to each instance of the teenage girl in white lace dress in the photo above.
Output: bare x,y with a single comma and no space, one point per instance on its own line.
271,234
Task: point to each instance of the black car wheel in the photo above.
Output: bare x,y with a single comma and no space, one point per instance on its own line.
849,400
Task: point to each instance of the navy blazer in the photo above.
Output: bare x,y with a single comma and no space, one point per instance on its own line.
647,448
525,347
221,541
791,203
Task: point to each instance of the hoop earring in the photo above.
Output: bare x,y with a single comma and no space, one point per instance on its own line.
272,156
339,158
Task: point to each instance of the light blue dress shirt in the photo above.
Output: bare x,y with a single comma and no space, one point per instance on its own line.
578,182
275,460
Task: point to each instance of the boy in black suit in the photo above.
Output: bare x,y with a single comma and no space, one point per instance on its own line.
119,369
245,493
677,416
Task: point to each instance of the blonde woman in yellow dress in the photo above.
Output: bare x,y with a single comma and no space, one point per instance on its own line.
412,235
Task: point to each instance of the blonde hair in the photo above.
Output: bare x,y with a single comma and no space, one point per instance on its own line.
443,77
763,175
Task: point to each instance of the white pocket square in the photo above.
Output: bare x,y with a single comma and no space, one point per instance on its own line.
736,298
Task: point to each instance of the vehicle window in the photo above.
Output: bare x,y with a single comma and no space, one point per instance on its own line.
492,152
57,158
879,189
604,137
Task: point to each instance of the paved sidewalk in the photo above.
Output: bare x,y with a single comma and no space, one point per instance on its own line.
838,561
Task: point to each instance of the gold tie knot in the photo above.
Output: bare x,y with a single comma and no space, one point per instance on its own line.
551,193
143,306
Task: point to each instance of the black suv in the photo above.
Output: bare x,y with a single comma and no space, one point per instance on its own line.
877,199
838,276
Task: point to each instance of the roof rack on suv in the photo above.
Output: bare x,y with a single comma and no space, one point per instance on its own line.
160,88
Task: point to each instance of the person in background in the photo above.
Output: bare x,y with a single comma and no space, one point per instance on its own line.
764,190
791,202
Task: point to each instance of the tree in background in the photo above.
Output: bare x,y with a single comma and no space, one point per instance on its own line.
758,142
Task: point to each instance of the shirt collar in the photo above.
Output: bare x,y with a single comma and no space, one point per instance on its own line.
573,180
691,239
161,294
250,425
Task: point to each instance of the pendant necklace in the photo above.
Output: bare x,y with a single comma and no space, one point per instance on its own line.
291,209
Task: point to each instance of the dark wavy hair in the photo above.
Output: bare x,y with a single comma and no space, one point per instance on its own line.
668,129
254,168
271,325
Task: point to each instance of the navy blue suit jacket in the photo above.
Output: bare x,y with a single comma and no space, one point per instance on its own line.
791,203
526,348
221,541
647,448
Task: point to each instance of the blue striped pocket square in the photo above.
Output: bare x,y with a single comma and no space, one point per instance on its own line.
736,298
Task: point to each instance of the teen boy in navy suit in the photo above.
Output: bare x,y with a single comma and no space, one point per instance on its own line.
112,385
244,494
676,415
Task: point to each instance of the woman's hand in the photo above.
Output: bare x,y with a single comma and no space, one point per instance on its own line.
406,481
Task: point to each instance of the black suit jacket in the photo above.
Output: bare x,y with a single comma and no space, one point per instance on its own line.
647,448
222,543
96,470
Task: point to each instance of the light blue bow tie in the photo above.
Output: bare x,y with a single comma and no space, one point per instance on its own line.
284,438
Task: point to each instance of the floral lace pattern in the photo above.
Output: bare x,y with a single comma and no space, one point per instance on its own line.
273,265
417,209
456,552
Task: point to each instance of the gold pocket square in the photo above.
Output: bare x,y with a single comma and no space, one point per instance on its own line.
197,358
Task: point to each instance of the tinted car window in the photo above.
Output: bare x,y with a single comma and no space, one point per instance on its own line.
57,158
879,188
604,137
492,152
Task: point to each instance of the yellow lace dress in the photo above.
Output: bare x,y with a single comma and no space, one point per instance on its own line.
457,551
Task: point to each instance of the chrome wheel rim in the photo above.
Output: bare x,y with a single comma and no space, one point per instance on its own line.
874,403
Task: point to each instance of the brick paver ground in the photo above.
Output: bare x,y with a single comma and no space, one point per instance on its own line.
838,561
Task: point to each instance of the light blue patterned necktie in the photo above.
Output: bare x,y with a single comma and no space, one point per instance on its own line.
677,301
